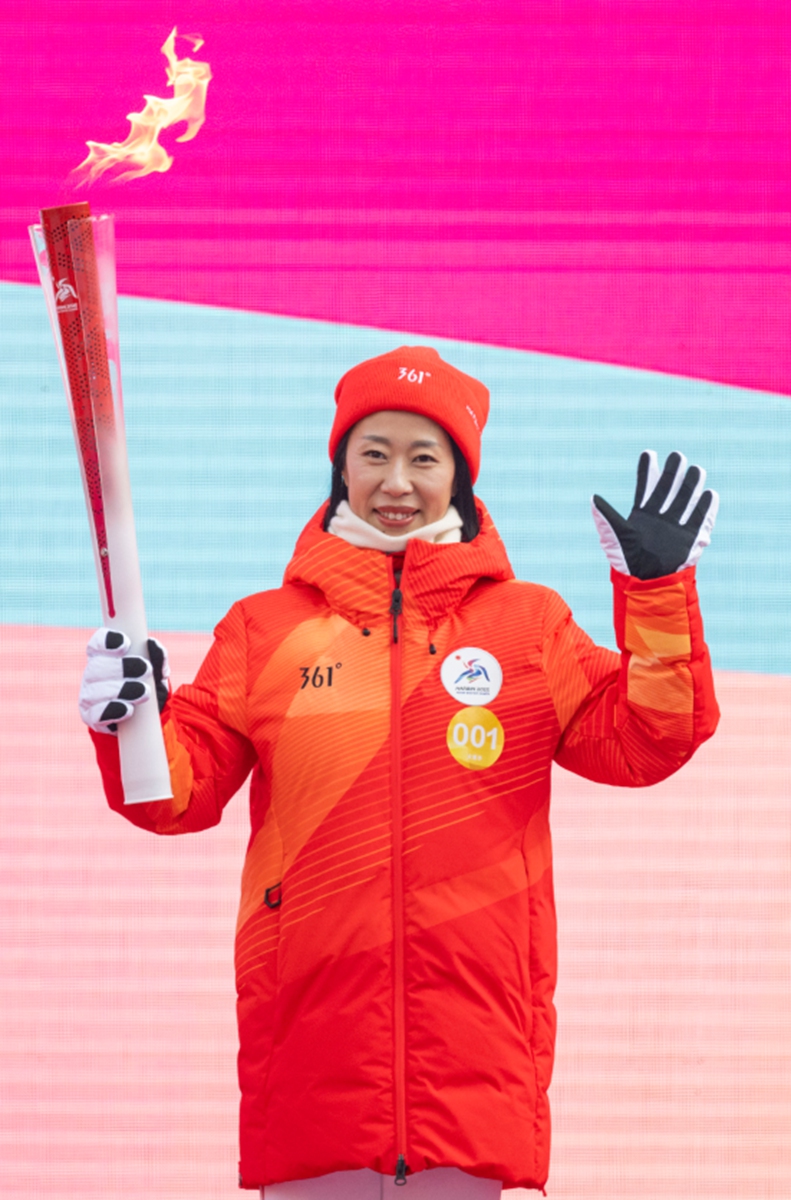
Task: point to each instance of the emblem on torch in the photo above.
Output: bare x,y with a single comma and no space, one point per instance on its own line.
64,292
65,297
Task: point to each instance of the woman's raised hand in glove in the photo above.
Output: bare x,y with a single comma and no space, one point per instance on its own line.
669,525
114,680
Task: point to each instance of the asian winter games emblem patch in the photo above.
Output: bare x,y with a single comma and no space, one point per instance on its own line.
472,676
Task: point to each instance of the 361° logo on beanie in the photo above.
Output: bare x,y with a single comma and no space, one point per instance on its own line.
413,376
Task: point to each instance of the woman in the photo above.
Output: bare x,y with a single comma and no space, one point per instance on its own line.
399,702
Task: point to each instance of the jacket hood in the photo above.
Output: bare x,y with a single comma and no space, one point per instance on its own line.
358,584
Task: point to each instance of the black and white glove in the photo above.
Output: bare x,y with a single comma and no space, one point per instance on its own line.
114,680
670,524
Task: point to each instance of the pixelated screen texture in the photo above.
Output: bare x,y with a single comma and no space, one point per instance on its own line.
583,205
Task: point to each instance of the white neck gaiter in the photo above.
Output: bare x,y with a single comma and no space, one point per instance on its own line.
357,532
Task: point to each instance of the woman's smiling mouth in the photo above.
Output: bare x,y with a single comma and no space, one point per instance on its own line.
395,516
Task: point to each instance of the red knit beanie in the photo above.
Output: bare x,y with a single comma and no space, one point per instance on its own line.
415,379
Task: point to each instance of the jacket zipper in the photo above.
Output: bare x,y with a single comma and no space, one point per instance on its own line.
396,610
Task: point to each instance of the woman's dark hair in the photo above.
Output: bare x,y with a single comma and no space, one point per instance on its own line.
463,496
338,489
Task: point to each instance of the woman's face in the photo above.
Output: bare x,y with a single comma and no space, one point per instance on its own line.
399,471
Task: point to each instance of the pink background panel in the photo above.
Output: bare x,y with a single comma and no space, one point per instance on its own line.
118,1040
607,181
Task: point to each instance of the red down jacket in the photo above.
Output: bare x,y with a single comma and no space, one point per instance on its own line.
396,953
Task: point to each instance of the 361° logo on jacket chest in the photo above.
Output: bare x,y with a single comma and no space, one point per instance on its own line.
319,676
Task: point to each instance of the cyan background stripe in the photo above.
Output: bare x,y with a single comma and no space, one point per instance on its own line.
227,420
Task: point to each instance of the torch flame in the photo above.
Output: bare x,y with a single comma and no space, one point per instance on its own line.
141,152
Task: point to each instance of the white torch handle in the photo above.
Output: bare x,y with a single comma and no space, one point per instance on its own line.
144,765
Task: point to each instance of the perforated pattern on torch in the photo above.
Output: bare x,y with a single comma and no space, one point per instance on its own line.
70,247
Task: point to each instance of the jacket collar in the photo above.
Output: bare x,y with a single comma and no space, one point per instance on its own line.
358,584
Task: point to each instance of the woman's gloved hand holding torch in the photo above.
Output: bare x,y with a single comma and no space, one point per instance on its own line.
115,681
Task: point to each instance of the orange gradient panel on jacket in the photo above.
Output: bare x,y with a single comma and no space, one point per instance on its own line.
657,634
330,732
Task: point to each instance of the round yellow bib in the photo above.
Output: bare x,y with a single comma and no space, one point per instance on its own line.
475,738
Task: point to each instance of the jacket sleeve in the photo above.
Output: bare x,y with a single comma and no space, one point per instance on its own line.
205,730
632,718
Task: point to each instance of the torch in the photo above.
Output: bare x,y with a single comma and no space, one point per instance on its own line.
75,256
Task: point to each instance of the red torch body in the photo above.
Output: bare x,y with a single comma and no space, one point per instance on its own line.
85,353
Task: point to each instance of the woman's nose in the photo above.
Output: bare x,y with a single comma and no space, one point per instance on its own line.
396,481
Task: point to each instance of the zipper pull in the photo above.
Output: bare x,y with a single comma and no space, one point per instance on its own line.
396,608
401,1170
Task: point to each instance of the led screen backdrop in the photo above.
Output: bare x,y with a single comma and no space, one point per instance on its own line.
587,206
